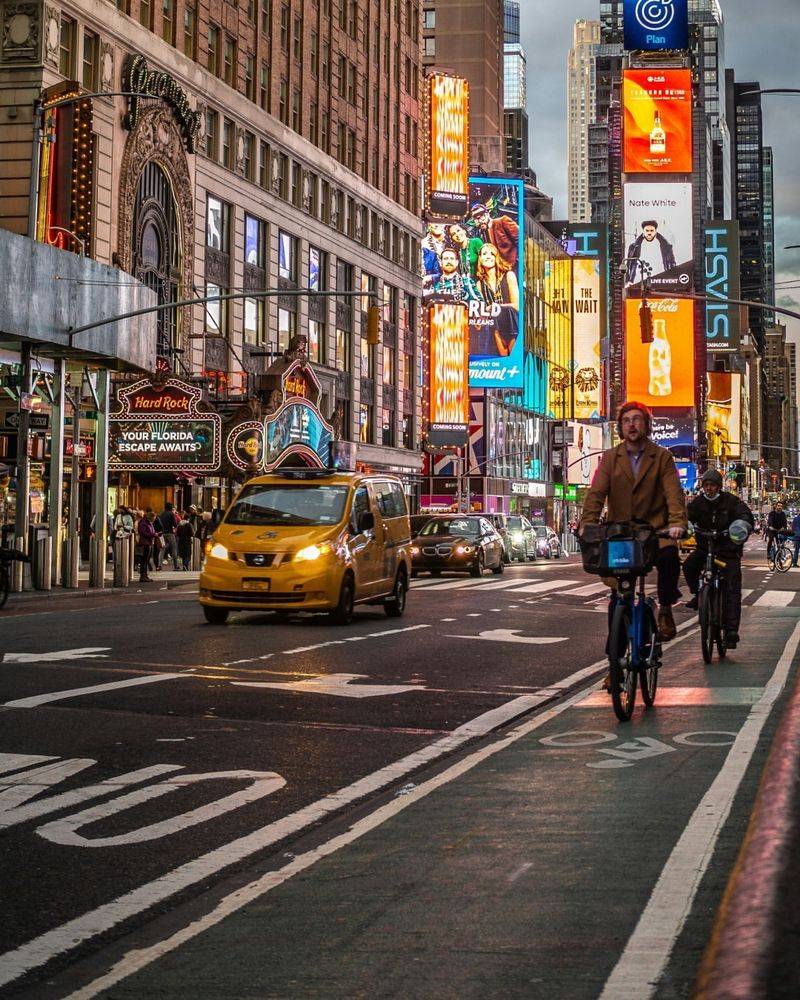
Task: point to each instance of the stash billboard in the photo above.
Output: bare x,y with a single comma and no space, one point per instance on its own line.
658,235
652,25
449,395
658,121
479,261
448,149
661,374
721,261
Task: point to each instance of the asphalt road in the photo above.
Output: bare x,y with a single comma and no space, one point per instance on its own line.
150,764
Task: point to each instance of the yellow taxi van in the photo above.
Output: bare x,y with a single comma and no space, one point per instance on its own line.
310,540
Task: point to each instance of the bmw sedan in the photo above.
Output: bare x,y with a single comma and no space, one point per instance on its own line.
460,543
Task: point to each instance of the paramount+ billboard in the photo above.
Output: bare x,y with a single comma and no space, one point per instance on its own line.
658,121
653,25
448,410
721,265
448,147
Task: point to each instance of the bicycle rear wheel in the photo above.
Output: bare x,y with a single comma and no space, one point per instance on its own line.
783,559
649,656
719,618
706,616
620,661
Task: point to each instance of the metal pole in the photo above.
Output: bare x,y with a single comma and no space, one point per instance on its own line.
21,516
54,502
564,474
33,185
101,479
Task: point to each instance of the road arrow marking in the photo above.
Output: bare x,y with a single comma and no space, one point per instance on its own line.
512,635
335,684
59,656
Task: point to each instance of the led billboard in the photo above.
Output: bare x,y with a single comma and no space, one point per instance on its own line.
586,336
558,301
583,456
448,414
675,433
652,25
658,121
479,261
658,237
724,414
721,265
661,374
448,147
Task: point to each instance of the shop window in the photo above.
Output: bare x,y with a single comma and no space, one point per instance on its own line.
216,312
365,421
342,360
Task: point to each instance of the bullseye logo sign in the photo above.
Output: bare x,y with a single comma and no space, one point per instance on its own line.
656,24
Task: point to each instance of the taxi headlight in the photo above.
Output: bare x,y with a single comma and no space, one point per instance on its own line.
311,552
218,551
517,536
414,550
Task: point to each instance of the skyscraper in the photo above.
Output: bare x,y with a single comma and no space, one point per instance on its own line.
581,107
768,216
515,115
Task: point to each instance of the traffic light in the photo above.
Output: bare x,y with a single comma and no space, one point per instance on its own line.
374,325
646,322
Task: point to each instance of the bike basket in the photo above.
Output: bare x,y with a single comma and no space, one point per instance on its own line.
622,555
606,550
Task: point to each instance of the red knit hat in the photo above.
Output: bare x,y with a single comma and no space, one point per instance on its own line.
633,405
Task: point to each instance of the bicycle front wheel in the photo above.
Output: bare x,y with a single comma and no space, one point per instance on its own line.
650,657
620,662
706,616
783,559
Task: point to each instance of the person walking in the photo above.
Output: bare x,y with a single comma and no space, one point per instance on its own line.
169,523
146,537
185,535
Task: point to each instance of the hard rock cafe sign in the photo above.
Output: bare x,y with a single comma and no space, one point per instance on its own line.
138,79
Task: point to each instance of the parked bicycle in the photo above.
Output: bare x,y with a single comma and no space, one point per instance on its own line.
628,552
779,555
7,556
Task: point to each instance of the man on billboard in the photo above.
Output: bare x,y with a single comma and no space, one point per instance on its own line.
652,249
501,230
451,282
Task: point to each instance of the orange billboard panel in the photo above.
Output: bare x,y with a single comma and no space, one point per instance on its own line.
448,329
661,374
658,121
448,146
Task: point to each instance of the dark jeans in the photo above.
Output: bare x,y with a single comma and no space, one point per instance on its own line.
692,568
144,559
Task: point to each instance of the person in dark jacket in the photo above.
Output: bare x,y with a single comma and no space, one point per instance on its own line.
146,538
776,525
185,536
714,509
796,533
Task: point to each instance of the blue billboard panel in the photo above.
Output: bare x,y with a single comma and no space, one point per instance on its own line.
652,25
721,257
480,261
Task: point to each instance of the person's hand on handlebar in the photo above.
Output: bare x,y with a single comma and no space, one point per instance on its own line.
675,532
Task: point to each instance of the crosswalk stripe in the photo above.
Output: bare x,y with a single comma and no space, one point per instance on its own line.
504,584
775,599
590,588
460,584
538,588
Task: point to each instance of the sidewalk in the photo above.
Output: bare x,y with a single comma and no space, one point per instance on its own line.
567,858
160,580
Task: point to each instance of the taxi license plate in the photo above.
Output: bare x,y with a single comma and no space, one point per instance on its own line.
255,584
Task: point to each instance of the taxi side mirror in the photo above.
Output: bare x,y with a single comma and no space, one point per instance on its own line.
366,522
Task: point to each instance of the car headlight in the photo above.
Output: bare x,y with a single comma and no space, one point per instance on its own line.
464,550
517,536
218,551
414,550
312,552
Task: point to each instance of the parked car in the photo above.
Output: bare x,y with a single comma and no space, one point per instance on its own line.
523,538
461,543
547,543
500,523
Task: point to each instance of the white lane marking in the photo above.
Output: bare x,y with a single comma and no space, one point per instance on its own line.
774,599
520,871
641,964
474,614
541,586
59,656
250,659
512,635
352,638
45,699
674,697
338,685
448,619
590,588
37,952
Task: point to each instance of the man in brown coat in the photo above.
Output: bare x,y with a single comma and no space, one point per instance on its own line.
638,480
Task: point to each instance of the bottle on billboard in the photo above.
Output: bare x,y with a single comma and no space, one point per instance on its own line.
658,137
660,359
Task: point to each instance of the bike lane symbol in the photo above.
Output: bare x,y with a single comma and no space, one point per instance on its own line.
632,751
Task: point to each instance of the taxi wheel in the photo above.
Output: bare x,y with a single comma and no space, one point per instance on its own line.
342,614
396,604
215,616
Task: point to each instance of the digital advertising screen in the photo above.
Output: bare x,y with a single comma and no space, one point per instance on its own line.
724,414
653,25
658,121
583,456
448,413
480,261
661,374
586,336
658,237
448,151
674,432
558,299
721,266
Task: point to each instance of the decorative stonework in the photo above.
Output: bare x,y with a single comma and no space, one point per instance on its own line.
20,32
359,223
106,66
156,138
306,191
276,175
51,35
240,151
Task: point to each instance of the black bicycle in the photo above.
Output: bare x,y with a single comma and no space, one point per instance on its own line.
7,556
711,598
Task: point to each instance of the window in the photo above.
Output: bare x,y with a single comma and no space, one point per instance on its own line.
287,256
229,62
316,341
228,144
367,358
429,20
254,321
283,174
297,40
284,28
296,120
217,224
297,182
263,165
146,13
313,123
250,77
388,366
190,31
263,89
212,134
266,18
287,324
89,68
168,21
406,361
324,132
214,57
283,108
216,312
66,51
365,422
248,155
314,54
326,64
429,46
313,200
317,270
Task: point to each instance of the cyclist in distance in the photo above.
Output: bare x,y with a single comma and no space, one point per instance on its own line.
714,509
637,481
776,525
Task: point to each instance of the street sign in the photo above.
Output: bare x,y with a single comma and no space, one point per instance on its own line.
38,421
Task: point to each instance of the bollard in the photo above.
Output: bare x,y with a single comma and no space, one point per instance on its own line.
197,554
70,561
97,563
44,551
17,569
122,561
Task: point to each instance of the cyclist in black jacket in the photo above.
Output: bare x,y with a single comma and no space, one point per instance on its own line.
714,510
776,525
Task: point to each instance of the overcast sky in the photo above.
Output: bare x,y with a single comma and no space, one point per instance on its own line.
761,43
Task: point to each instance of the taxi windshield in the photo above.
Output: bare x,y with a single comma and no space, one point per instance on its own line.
451,526
289,505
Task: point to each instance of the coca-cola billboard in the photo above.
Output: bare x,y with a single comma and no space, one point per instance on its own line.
661,374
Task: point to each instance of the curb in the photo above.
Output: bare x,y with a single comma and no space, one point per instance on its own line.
58,593
739,958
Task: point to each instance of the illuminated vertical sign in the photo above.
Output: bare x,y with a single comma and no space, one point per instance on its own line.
658,121
652,25
586,336
658,237
724,415
448,415
661,374
721,266
446,189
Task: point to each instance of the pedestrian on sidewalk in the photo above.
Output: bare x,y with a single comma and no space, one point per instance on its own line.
796,533
185,535
147,537
169,523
